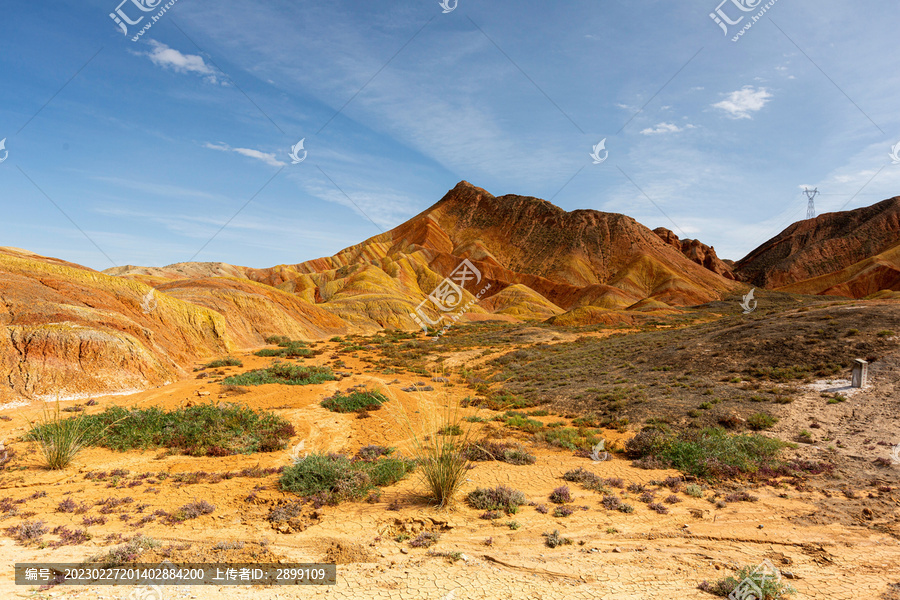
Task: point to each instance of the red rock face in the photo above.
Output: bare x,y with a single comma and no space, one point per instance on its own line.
826,250
70,329
697,251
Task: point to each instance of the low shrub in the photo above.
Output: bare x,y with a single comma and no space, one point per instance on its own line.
772,588
426,539
362,401
334,477
283,373
569,438
711,453
554,539
498,498
760,421
202,430
561,495
486,450
228,361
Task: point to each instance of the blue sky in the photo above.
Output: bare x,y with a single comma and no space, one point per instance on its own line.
176,147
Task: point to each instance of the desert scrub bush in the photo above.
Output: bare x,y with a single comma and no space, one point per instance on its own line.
569,438
760,421
202,430
450,430
886,333
126,553
519,421
562,511
228,361
500,400
709,453
190,511
486,450
771,587
60,440
334,477
561,495
361,401
287,349
498,498
426,539
373,451
554,539
283,373
693,490
27,532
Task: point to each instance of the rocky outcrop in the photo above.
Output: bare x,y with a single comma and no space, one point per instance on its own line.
697,251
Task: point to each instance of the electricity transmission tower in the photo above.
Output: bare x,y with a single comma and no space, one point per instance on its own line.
811,207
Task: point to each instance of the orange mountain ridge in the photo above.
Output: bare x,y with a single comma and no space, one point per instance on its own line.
68,329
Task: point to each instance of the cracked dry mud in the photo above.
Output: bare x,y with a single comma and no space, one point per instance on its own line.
813,534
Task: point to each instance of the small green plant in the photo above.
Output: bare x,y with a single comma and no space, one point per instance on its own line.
450,430
354,402
426,539
228,361
886,333
612,530
693,490
513,525
554,539
771,587
760,421
837,398
283,373
852,332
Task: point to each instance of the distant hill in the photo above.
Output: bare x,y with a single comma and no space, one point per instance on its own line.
853,253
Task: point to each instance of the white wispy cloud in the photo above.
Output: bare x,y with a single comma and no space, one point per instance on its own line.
266,157
742,103
661,128
163,56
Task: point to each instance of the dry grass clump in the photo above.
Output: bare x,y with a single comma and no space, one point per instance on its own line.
441,458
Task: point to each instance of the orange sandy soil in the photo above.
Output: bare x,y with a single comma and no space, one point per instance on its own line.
614,555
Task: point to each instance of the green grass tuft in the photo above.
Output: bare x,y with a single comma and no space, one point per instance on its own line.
354,402
283,373
204,430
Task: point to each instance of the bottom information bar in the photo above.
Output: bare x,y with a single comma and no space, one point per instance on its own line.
176,574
